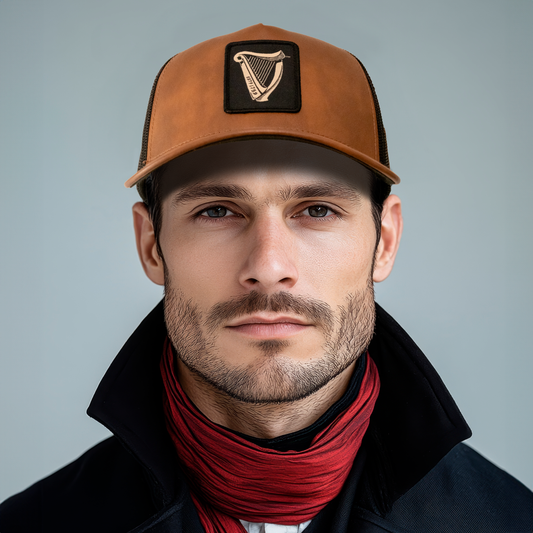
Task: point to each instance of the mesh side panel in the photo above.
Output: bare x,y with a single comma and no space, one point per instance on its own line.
146,129
382,138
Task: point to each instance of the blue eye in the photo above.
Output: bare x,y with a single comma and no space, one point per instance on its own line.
217,211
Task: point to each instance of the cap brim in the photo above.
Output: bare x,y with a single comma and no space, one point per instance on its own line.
381,170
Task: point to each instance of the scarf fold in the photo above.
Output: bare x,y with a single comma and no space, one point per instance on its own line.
231,478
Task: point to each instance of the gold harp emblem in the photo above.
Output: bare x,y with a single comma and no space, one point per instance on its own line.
257,71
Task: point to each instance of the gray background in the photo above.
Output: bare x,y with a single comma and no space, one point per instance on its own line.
454,81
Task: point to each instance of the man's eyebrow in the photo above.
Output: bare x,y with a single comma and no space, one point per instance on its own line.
336,190
199,190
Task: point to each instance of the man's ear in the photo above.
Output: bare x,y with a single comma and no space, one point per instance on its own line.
146,244
391,233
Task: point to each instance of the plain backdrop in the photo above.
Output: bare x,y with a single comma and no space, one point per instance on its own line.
455,82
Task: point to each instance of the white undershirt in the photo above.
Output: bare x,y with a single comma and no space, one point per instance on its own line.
254,527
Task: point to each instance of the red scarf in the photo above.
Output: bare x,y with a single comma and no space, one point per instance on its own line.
231,478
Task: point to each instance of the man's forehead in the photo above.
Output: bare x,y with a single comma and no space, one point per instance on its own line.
288,169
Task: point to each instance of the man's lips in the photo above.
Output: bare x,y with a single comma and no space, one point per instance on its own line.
264,319
268,327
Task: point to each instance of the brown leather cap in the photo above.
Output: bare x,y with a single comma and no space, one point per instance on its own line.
218,91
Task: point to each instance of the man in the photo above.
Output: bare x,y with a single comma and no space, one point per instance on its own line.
268,392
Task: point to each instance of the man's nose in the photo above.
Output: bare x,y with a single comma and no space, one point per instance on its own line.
271,258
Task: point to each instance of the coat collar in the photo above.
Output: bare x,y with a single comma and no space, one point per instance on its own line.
415,418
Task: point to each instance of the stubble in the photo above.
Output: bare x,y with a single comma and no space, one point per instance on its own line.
273,377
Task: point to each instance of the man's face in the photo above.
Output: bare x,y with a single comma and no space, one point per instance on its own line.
268,248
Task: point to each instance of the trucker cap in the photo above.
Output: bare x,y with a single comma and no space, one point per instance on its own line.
263,81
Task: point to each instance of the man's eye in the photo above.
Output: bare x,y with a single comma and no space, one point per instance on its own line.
318,211
217,211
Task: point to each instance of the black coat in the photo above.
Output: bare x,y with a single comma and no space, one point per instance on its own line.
410,475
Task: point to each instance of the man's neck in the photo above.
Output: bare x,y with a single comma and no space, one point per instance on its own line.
261,420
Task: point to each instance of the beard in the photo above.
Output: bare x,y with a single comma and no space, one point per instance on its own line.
273,377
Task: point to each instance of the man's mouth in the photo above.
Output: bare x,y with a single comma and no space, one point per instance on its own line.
268,327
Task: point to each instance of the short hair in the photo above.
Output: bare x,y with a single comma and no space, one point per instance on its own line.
379,191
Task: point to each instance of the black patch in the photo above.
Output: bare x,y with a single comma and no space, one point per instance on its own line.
243,96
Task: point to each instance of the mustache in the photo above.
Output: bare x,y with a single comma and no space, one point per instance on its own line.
315,311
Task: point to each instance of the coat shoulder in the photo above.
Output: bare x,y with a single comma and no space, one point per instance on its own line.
465,492
103,490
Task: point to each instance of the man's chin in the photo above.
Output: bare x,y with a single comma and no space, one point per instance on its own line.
278,380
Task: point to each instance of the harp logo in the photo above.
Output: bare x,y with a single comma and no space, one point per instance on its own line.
262,77
262,72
